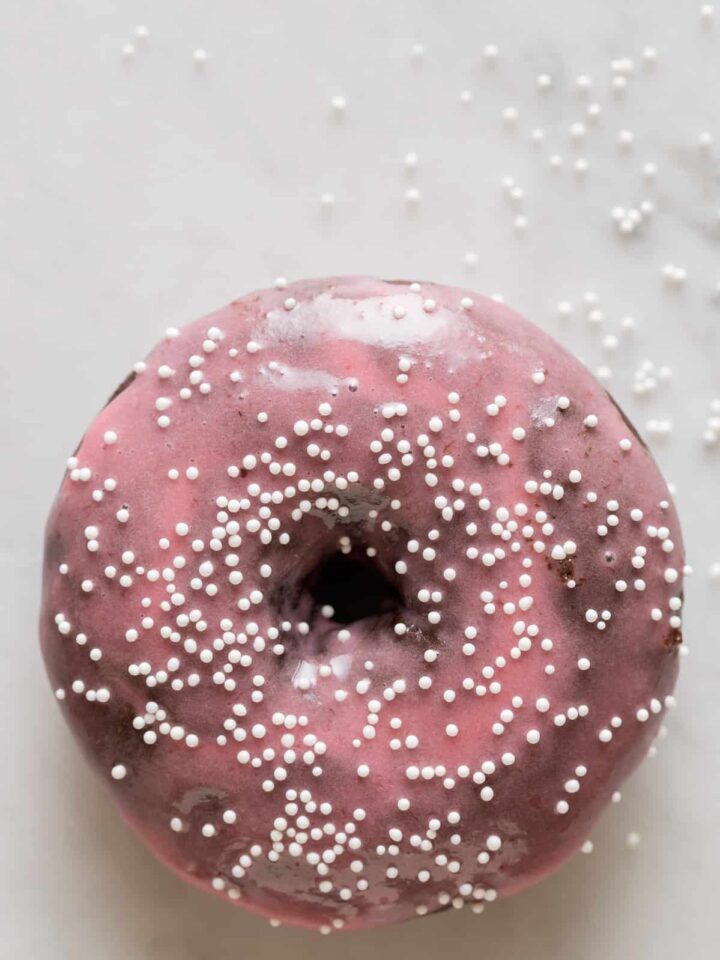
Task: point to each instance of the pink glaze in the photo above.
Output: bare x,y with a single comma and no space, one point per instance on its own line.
458,743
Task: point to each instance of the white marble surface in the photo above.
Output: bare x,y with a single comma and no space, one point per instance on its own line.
139,193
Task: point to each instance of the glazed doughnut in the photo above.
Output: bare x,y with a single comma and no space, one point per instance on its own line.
363,597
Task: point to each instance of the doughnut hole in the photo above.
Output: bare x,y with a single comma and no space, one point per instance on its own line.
353,586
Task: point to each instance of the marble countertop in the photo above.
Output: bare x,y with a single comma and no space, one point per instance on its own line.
145,183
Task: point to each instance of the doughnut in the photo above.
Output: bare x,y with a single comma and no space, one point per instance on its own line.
363,597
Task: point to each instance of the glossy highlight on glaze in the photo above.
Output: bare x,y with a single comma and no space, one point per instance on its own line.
363,597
